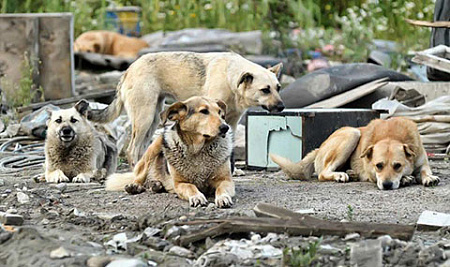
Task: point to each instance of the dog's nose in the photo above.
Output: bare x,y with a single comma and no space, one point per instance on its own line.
66,130
387,185
280,106
224,128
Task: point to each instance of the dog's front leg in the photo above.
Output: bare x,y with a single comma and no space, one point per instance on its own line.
191,193
56,176
428,179
224,186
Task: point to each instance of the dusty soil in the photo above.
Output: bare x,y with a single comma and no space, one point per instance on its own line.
83,219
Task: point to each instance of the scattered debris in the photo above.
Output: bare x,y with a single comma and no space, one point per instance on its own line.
59,253
431,220
23,198
366,253
11,219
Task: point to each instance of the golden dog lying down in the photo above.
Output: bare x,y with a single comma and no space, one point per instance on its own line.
191,158
385,152
109,43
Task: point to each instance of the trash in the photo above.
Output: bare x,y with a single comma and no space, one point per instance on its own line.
366,253
120,241
293,133
431,220
182,252
325,83
127,263
408,97
232,252
11,219
35,124
59,253
22,198
350,95
245,42
434,57
352,236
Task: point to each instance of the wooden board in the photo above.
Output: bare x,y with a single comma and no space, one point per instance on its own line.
46,39
350,96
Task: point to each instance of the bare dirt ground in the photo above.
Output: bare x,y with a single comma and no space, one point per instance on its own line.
84,222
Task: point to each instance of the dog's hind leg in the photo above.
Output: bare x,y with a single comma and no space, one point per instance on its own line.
145,121
335,152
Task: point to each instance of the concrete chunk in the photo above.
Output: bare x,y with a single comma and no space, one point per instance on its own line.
366,253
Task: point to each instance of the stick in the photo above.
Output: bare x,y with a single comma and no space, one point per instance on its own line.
305,227
435,24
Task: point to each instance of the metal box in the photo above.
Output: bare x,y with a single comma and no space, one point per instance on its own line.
295,132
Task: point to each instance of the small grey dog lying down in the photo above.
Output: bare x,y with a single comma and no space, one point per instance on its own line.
74,150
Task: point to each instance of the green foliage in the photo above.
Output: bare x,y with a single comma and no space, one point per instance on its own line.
25,91
350,212
349,25
303,256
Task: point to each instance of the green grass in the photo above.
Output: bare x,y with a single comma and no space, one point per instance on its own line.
303,256
25,91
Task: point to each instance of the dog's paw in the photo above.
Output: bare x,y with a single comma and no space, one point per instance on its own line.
82,178
156,186
224,201
56,177
407,180
341,177
134,189
430,180
198,200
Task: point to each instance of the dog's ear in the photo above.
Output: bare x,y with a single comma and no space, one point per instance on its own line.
82,107
277,70
408,151
174,113
367,153
222,105
246,78
96,48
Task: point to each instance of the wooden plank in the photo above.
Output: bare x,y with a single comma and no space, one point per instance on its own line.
61,102
285,221
351,95
434,57
434,24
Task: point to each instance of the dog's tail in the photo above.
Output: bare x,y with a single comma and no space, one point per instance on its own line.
299,171
110,112
118,181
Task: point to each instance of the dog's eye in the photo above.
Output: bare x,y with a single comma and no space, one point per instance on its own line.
397,166
204,111
59,120
73,120
278,87
266,91
379,166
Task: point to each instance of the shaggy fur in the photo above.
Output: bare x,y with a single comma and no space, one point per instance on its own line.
74,151
109,43
191,157
226,76
387,153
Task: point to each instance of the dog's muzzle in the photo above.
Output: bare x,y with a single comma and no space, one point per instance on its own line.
223,129
278,107
66,134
